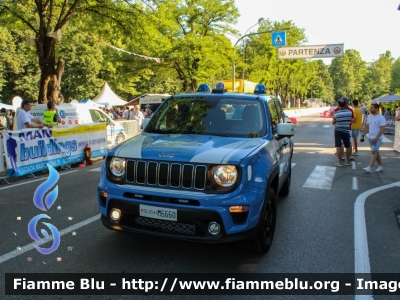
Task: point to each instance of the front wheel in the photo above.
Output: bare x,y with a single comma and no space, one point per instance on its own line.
263,240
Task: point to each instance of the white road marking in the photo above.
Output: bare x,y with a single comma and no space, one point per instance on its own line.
354,185
361,253
327,126
313,125
293,164
30,181
321,178
32,245
353,165
95,170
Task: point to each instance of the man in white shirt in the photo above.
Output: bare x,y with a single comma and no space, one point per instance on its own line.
24,118
136,114
376,126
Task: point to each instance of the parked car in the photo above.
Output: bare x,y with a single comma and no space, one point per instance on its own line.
291,119
198,173
326,114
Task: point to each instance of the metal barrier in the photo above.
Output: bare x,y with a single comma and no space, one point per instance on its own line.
130,127
2,161
390,124
396,145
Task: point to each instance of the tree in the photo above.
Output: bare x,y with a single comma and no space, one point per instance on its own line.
19,72
43,17
348,74
381,74
192,36
283,77
395,85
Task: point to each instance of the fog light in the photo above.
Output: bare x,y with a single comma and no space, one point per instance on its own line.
103,194
214,228
239,209
115,214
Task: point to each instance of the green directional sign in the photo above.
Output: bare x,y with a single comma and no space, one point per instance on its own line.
279,39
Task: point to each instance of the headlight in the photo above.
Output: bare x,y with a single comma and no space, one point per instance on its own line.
225,175
117,166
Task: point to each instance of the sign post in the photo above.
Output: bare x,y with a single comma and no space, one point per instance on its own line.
318,51
279,39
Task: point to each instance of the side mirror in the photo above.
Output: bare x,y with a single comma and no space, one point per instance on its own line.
285,129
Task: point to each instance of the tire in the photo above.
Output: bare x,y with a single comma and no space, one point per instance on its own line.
286,185
119,139
265,235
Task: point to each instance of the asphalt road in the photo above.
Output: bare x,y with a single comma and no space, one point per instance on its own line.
319,225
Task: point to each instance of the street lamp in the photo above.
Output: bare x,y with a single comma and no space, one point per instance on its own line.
245,47
242,37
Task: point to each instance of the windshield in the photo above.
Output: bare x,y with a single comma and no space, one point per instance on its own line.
210,116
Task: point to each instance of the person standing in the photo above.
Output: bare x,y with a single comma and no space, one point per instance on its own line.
24,118
5,120
51,116
365,114
357,125
136,114
126,112
118,113
376,126
342,120
346,106
398,113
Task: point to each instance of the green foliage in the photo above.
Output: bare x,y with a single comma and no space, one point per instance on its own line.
190,39
348,74
395,72
380,74
19,72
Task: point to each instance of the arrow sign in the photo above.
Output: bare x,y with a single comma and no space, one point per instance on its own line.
279,39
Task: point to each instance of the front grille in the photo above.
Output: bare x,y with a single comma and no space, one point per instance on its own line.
158,225
174,175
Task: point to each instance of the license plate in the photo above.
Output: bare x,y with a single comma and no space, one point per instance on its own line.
160,213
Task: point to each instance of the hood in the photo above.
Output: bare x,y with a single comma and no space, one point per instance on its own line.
187,148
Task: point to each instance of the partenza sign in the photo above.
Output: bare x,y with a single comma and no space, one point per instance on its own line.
319,51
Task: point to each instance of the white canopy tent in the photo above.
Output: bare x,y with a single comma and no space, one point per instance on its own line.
6,106
90,102
107,97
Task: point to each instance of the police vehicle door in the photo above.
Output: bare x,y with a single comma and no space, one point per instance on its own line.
277,116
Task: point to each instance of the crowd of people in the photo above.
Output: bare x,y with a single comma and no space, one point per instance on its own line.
349,122
126,113
51,117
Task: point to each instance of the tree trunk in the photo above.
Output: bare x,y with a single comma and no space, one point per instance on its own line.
50,80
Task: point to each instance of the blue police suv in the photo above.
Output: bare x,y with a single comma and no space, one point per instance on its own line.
207,167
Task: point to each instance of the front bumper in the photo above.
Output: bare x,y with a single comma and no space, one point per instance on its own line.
193,219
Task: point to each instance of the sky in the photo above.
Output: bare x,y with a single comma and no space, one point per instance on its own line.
368,26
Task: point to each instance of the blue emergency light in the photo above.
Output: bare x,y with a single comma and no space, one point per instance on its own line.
260,89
